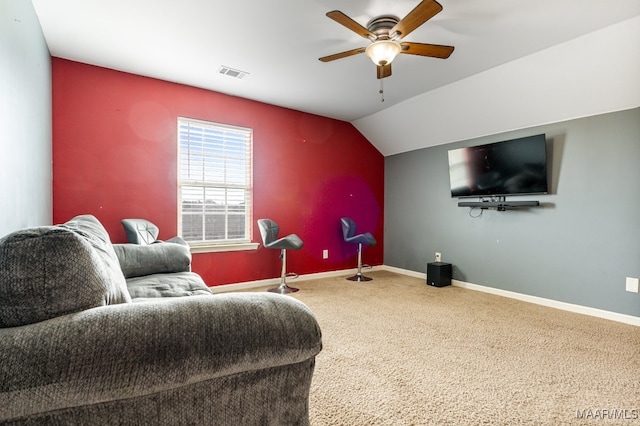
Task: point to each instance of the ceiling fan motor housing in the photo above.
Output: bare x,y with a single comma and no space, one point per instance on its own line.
381,26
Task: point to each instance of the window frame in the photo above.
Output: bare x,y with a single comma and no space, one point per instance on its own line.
203,246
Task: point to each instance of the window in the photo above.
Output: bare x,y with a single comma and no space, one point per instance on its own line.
214,184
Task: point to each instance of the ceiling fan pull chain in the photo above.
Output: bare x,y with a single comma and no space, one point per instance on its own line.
381,90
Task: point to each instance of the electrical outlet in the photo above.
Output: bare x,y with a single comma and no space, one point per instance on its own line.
438,257
325,254
632,284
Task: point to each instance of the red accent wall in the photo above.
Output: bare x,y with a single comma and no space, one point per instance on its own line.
115,156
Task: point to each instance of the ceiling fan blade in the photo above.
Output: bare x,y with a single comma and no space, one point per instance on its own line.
384,71
424,11
344,20
342,54
423,49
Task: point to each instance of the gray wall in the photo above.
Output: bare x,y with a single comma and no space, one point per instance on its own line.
577,248
25,119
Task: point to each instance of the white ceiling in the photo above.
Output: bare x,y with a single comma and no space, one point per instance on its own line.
278,43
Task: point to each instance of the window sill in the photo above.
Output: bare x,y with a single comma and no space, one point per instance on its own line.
213,248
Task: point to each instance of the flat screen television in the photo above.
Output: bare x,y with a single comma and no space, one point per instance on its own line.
512,167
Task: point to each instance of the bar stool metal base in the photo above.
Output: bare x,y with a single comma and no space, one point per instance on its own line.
283,289
359,278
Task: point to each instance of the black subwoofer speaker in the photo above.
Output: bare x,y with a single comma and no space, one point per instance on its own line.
438,274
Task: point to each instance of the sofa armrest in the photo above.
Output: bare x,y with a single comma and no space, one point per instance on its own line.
123,351
161,258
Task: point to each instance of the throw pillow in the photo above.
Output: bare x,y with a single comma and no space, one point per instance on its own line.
160,258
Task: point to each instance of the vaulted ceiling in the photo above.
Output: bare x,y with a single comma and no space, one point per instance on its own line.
278,43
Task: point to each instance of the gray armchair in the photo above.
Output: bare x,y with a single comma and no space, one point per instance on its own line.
83,341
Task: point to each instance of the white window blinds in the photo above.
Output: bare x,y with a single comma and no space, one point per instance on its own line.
214,182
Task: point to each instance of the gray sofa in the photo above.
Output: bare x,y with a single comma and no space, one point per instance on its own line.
95,333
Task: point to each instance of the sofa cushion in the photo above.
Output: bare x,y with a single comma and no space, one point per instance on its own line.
50,271
139,260
176,284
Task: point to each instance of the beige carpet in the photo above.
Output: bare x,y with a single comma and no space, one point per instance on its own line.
398,352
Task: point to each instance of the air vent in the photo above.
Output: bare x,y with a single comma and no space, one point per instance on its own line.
232,72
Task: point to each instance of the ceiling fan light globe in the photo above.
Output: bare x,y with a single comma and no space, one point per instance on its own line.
382,52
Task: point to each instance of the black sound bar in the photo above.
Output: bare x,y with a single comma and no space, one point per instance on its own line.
498,204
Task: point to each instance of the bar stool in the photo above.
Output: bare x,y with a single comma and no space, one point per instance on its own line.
269,232
144,232
349,234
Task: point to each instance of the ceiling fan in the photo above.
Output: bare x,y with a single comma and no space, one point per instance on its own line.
385,33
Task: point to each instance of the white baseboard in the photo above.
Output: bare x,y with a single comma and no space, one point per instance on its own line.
413,274
291,281
599,313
